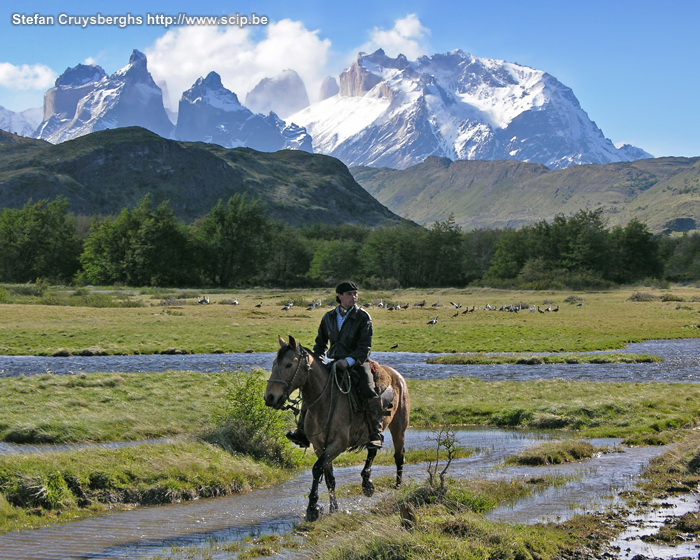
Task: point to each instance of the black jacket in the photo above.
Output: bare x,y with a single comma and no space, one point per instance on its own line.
354,339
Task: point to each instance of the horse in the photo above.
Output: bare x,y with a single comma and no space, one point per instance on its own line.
332,424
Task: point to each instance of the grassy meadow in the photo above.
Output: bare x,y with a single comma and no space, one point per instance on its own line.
91,321
185,407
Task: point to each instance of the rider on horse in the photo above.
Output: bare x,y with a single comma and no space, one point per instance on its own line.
348,330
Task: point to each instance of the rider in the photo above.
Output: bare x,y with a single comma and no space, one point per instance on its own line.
348,330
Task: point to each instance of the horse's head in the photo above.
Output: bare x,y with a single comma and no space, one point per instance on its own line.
289,371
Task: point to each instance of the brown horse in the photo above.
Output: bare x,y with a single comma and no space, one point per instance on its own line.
332,424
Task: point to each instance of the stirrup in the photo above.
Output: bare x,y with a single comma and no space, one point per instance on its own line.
299,438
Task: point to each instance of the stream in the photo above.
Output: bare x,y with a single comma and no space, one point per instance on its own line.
207,525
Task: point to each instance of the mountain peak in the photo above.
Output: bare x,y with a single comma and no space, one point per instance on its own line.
80,75
454,105
284,94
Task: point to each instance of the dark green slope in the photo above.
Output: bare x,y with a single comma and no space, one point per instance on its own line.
104,172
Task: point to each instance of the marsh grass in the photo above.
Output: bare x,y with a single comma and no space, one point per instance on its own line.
533,359
555,453
442,525
37,489
591,409
168,319
103,407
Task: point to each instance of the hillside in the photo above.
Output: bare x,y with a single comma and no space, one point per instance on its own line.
103,172
663,193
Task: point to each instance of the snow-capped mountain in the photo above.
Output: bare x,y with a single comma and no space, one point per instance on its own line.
392,112
208,112
284,94
85,100
23,123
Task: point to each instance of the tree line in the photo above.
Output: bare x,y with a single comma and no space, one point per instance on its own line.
238,245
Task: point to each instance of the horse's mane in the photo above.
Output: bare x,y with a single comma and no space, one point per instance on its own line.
284,349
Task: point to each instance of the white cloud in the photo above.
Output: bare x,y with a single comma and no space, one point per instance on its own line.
408,37
182,55
26,77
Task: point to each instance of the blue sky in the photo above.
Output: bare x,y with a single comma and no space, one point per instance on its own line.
633,65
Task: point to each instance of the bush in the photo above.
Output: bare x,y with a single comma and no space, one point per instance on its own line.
247,426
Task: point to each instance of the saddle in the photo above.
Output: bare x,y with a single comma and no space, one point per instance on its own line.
381,387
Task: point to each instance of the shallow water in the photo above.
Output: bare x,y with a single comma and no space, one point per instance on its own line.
156,530
681,364
198,524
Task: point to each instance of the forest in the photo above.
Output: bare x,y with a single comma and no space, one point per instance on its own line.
238,245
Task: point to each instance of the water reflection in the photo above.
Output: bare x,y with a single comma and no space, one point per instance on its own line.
681,364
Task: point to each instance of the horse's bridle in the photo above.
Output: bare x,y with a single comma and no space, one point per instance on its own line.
303,358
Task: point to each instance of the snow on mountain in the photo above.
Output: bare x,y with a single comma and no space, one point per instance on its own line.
208,112
393,112
23,123
284,94
85,100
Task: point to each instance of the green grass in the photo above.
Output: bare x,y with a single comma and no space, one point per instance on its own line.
109,406
134,406
592,409
40,489
554,453
162,320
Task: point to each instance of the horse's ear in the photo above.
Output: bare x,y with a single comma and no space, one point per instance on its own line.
282,342
292,342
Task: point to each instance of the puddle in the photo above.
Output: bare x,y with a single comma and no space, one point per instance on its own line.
630,543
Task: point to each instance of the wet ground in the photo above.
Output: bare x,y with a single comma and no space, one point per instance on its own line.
158,531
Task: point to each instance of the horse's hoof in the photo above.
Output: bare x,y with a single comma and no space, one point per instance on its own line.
368,488
313,513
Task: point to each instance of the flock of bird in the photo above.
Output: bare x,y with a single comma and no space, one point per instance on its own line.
460,310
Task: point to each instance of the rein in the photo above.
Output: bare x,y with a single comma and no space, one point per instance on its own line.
342,381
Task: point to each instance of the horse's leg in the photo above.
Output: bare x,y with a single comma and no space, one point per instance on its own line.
330,484
398,435
313,511
367,484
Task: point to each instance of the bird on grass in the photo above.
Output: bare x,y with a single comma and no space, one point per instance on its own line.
433,321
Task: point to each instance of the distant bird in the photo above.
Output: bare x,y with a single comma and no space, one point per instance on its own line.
204,300
456,314
259,304
539,310
287,307
436,304
394,347
433,321
556,309
421,304
456,305
235,301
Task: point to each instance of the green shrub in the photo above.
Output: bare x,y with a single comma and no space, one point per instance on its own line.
246,425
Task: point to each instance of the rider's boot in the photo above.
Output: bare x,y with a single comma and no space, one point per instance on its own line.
298,437
375,415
